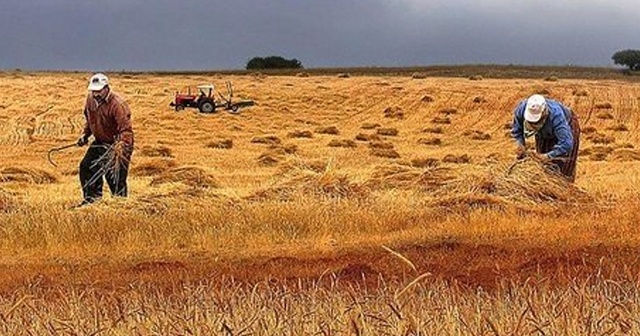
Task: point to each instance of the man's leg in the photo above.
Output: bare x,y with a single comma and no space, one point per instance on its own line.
569,168
91,174
117,178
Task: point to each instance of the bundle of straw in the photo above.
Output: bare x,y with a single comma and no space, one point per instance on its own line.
526,182
112,162
27,175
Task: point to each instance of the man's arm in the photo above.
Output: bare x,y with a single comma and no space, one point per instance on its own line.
517,128
563,134
123,124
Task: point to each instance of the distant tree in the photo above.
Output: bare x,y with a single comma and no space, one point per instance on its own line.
629,58
273,62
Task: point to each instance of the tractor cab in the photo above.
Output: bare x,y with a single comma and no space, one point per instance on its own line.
205,91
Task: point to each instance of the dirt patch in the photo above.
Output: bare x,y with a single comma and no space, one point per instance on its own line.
472,265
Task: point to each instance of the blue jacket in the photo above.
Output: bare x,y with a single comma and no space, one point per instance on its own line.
556,127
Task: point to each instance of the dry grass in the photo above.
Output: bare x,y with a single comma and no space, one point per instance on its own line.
303,181
229,308
404,177
213,242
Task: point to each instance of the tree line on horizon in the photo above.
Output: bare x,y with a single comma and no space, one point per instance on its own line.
273,62
629,58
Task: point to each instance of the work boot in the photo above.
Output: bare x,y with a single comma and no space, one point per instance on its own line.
83,204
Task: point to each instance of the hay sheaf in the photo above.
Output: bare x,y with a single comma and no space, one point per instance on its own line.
152,167
625,155
156,151
27,175
300,182
296,164
525,183
394,112
193,176
370,125
276,153
387,131
346,143
269,139
367,137
389,153
300,134
398,176
220,144
333,130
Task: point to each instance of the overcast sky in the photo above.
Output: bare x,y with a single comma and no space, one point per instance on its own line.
225,34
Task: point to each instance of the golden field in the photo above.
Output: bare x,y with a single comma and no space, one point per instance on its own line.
337,205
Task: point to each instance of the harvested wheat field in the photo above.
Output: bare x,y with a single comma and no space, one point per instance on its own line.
337,205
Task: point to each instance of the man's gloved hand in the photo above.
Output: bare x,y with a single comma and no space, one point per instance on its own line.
542,158
83,140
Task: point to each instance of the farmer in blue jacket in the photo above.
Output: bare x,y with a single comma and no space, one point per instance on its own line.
556,131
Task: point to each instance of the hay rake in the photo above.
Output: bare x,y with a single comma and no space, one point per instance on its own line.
57,149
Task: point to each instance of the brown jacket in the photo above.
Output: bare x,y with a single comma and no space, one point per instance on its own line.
109,120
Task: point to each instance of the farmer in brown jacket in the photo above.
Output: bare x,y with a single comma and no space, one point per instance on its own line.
108,119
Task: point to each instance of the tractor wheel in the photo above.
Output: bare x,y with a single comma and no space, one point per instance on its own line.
234,108
179,108
207,106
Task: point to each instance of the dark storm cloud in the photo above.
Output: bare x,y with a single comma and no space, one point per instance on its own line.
214,34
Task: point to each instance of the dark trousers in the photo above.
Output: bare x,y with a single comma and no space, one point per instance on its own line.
94,169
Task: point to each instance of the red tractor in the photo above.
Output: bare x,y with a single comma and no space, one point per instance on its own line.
205,100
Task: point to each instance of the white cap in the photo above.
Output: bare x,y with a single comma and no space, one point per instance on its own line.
536,105
97,82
